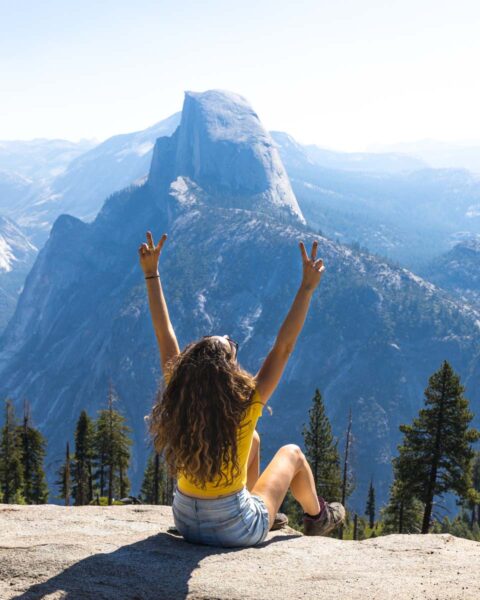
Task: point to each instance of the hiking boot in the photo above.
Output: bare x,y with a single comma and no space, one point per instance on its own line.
331,517
130,500
280,521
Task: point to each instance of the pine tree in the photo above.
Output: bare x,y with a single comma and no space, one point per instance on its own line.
436,455
154,480
65,477
35,490
112,449
347,479
321,451
403,513
82,489
370,506
167,490
11,471
123,463
474,502
101,444
348,484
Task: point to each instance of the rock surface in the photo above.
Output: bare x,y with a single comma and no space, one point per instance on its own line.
125,553
222,146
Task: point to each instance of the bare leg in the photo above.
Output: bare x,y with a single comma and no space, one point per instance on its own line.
288,469
253,468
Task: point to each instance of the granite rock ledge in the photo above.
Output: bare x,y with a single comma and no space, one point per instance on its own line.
125,553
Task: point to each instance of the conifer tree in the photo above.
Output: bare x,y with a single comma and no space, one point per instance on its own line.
167,489
403,513
475,502
436,455
11,471
35,490
101,444
123,464
370,506
154,480
158,486
82,489
347,478
321,451
112,444
65,477
347,485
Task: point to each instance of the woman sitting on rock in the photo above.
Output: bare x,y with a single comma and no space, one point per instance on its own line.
204,422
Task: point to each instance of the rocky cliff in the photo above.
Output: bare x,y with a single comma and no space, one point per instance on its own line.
125,553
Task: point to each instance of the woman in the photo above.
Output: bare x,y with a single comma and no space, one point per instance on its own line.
204,421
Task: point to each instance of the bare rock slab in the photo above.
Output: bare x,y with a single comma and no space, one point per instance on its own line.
124,553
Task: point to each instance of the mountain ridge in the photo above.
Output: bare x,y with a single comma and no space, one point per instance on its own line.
374,333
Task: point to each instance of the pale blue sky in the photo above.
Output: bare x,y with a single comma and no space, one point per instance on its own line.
343,74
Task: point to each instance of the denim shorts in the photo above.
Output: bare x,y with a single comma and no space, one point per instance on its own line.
240,519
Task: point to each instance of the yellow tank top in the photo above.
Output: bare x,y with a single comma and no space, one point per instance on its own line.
244,443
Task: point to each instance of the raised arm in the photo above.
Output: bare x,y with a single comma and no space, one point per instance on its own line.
270,372
166,339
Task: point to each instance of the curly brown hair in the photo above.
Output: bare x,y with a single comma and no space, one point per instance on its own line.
196,417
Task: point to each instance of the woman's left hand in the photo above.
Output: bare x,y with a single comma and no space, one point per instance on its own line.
313,267
149,254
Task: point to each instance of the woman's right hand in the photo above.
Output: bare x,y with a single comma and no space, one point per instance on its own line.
312,267
149,254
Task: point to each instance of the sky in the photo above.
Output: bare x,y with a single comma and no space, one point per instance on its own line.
343,74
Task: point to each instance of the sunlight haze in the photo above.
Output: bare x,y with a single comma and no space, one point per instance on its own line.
343,75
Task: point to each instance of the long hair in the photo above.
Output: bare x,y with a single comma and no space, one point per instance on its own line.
196,417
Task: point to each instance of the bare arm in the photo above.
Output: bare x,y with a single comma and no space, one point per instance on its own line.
164,332
271,371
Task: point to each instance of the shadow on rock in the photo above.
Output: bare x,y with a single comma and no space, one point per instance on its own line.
158,567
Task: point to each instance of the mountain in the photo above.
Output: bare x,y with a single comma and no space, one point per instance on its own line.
58,177
222,147
42,179
458,271
438,154
17,192
91,177
409,216
379,162
374,334
40,160
17,255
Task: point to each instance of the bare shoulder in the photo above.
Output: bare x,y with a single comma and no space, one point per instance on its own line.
257,397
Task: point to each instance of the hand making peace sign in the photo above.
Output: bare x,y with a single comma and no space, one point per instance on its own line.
312,267
149,254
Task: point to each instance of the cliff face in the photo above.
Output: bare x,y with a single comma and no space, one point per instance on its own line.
17,255
222,147
125,553
231,264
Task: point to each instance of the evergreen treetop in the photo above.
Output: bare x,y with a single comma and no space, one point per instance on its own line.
321,451
11,469
436,454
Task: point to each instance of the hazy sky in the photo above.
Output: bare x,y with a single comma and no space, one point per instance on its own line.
343,74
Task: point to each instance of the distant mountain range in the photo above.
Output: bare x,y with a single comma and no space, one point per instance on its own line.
438,154
410,216
386,162
42,179
217,186
40,160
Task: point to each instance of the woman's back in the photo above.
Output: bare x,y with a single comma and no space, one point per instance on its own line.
244,441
